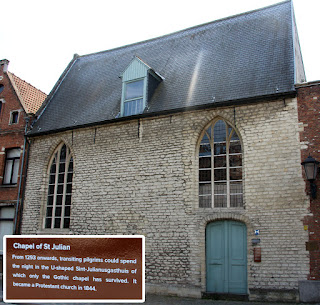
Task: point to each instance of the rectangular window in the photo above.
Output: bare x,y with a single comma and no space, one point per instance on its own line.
133,98
14,117
11,169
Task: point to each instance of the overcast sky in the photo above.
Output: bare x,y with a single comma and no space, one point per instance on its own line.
39,37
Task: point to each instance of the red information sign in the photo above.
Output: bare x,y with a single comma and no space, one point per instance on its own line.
56,268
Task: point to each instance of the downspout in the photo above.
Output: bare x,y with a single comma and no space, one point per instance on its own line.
18,205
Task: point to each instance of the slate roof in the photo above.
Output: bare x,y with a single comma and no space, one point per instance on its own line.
236,59
30,97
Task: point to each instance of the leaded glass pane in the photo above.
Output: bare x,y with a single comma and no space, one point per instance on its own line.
235,160
236,173
235,137
205,139
66,222
49,211
220,188
220,174
69,179
62,167
57,222
48,223
220,201
50,200
51,190
70,169
220,149
60,189
61,178
219,132
236,201
205,175
69,188
63,154
53,168
208,131
205,162
205,189
205,150
58,211
236,187
205,201
220,161
67,211
68,199
52,179
235,147
59,200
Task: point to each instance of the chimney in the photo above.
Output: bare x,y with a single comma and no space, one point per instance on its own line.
4,63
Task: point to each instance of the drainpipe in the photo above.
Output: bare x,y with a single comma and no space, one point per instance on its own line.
18,205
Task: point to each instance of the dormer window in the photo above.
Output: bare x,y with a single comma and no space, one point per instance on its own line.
133,100
138,84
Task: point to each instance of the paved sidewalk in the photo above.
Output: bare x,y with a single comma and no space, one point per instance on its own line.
167,300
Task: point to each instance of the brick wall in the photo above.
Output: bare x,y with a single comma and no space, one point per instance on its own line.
142,178
309,116
11,135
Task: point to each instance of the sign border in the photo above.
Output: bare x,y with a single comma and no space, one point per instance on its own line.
69,300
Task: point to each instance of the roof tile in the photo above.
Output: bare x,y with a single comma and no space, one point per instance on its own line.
32,98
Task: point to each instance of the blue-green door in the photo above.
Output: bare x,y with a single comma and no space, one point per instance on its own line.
226,257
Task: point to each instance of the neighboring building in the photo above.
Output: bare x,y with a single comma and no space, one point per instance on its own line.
192,140
18,102
309,120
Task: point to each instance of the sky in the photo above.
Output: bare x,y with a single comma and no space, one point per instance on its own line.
40,37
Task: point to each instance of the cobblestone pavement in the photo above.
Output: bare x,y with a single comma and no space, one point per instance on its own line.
167,300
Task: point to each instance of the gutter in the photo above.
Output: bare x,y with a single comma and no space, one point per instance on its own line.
244,101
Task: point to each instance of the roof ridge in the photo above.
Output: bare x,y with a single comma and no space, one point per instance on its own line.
186,29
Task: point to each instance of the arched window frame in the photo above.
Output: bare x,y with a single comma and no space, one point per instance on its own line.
59,193
212,189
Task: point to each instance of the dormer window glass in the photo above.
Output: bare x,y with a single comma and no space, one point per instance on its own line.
139,81
133,99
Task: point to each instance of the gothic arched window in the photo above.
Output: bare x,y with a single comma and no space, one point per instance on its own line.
220,167
58,206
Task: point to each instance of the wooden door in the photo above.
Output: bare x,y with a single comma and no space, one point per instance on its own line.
226,257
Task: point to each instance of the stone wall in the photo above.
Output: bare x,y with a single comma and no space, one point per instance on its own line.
141,177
